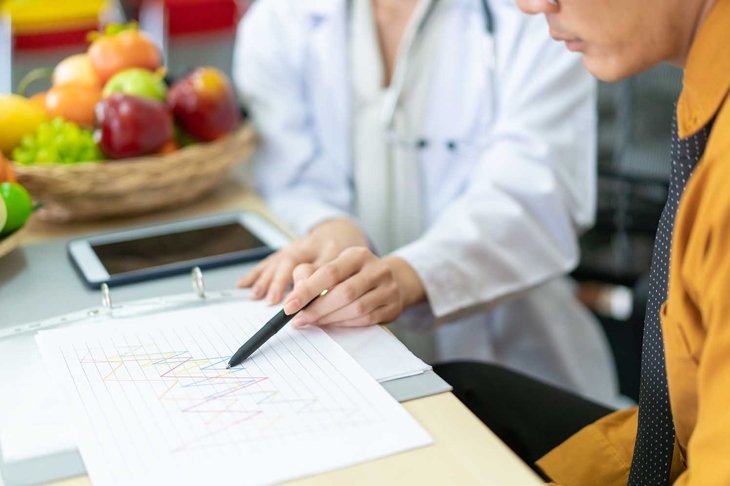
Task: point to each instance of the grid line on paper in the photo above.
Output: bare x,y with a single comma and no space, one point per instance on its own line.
156,400
176,371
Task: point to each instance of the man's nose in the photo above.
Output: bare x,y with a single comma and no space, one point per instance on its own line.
538,6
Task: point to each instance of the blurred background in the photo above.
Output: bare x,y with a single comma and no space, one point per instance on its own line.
634,128
40,33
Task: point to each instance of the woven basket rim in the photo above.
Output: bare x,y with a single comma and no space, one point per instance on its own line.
244,132
127,187
10,242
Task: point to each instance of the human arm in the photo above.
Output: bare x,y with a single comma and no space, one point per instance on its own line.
516,223
302,182
697,314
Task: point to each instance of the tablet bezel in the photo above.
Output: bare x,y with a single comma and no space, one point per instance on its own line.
93,273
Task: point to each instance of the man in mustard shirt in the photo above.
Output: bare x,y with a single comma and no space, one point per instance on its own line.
680,433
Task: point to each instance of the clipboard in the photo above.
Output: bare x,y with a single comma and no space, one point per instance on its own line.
65,461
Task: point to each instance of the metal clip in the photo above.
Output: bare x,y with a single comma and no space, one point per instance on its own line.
198,282
106,296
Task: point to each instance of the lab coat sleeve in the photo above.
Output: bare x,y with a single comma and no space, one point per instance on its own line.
533,189
300,183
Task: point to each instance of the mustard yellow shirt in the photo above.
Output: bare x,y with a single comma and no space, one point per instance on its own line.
696,314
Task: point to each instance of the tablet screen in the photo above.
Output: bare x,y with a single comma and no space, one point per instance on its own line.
155,251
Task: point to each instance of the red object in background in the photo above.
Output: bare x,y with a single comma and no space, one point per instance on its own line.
204,104
200,16
195,16
130,126
45,40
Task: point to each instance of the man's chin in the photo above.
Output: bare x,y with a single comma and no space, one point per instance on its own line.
610,69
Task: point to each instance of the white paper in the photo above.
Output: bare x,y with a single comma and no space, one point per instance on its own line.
152,401
379,352
31,422
34,425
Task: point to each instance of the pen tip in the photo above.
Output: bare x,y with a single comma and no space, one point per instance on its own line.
228,366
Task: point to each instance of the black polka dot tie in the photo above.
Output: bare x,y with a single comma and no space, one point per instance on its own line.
655,435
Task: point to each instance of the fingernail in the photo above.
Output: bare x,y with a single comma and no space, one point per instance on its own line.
299,321
291,307
256,292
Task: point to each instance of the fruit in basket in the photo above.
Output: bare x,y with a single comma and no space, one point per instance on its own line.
39,99
57,142
129,126
18,117
7,174
18,206
3,214
120,48
73,102
169,147
204,105
76,69
137,82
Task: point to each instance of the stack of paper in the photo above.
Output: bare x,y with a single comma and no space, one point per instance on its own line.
152,400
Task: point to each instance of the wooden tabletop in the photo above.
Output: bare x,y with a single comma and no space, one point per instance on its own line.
464,450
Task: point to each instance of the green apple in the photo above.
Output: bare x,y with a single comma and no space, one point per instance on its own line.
3,214
18,206
136,82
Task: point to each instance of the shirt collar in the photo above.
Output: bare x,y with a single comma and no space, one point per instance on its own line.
707,72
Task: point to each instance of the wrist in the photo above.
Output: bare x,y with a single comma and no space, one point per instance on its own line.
409,282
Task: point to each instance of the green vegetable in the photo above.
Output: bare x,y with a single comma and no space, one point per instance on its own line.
57,142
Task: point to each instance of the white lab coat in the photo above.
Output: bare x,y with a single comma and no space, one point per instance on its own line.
502,224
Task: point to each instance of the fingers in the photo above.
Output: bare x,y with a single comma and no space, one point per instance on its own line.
251,277
381,315
257,279
281,279
327,276
303,271
328,252
273,275
362,306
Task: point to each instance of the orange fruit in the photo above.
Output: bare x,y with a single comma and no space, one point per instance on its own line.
169,147
73,102
39,99
7,173
128,49
76,69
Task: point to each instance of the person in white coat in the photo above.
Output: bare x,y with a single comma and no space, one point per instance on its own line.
437,170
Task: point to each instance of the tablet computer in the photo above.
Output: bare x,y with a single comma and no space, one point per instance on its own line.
165,249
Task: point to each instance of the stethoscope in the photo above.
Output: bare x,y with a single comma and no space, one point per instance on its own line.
393,95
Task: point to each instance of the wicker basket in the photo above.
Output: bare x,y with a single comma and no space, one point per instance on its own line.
11,242
91,191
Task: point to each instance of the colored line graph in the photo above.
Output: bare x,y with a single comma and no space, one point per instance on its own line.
203,389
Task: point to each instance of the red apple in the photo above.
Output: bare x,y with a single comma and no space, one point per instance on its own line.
129,126
204,105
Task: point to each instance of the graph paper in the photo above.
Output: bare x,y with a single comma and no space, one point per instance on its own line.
152,400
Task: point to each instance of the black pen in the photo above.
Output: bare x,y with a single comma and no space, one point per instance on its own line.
264,334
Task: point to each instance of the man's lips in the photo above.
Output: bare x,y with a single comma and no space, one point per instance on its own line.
572,43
